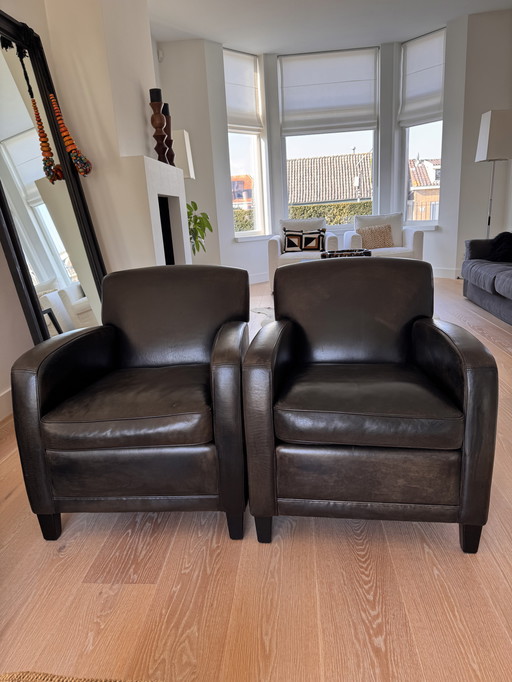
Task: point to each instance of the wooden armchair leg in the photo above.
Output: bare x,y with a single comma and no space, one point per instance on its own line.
469,538
235,526
50,526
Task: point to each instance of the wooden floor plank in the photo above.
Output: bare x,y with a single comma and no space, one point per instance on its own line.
447,606
135,551
168,597
273,633
183,635
364,625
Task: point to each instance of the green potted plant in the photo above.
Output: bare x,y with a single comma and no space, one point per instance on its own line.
198,224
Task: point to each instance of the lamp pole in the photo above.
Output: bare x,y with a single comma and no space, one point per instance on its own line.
489,212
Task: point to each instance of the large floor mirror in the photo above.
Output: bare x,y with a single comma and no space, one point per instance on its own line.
45,229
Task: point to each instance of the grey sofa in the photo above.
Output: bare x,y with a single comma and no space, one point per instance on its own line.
487,283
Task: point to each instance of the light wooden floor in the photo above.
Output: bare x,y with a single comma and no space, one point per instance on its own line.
170,597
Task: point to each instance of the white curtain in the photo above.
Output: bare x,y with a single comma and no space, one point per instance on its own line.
422,79
329,91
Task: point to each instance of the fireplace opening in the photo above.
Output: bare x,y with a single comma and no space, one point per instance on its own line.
165,221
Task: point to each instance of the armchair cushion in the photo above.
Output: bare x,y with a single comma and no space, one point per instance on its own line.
383,405
302,224
134,407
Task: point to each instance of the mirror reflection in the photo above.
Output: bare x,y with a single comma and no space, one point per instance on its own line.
42,213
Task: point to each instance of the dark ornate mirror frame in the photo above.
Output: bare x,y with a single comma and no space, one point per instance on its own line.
22,35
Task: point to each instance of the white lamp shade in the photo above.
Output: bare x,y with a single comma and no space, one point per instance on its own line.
183,153
495,138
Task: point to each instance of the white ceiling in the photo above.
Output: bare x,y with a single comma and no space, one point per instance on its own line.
289,26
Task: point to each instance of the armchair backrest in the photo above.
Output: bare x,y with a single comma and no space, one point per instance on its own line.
354,309
170,314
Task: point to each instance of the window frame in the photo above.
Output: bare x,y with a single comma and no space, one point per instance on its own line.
375,133
419,119
428,222
261,181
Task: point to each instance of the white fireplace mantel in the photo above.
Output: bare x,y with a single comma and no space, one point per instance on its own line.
162,180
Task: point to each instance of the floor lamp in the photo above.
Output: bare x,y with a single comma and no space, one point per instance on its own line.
494,144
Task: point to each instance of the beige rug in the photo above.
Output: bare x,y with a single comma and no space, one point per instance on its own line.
45,677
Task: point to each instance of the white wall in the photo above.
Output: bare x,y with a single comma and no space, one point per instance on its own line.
104,95
488,86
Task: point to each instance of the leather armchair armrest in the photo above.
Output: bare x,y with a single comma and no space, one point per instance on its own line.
352,240
461,364
413,239
264,370
228,351
43,377
477,248
63,365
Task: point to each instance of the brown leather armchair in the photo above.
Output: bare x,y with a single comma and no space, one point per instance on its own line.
359,405
143,412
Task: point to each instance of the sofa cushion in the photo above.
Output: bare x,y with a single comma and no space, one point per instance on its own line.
136,407
503,283
482,273
382,405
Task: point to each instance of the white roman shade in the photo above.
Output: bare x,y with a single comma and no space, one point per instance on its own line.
422,79
242,90
329,91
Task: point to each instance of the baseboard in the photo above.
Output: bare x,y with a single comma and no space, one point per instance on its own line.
447,273
258,277
5,404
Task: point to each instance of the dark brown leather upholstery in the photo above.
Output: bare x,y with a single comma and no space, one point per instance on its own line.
144,412
358,404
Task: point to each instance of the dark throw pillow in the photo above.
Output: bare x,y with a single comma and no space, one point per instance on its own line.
313,240
501,248
292,240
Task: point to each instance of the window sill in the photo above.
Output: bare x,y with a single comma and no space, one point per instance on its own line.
252,237
426,226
